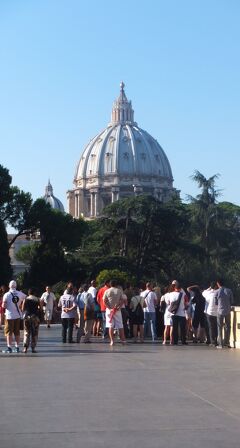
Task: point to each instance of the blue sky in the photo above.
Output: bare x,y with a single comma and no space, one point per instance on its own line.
61,65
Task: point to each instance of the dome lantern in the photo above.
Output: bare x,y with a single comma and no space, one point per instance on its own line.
122,111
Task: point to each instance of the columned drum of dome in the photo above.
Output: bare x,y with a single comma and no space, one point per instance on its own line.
121,161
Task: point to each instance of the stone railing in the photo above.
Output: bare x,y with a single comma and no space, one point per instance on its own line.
235,327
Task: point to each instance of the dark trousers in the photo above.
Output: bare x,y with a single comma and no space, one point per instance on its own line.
125,322
179,321
224,322
130,321
80,331
213,331
67,328
207,330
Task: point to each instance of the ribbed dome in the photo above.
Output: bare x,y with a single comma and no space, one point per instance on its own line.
51,199
121,161
124,149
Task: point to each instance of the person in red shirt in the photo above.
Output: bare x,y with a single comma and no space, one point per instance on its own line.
102,305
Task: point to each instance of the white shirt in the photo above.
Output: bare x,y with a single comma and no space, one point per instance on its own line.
11,310
135,300
172,297
164,298
150,300
67,301
92,291
48,298
210,297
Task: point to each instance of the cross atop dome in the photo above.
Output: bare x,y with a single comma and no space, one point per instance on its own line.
122,96
122,111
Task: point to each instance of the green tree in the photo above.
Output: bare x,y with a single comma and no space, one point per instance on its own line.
139,234
59,235
110,274
14,204
5,267
215,229
204,208
14,208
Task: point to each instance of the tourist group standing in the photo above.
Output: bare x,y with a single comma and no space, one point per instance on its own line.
191,314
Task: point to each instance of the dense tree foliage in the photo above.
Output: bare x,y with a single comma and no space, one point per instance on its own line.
5,267
193,242
55,234
137,236
14,204
14,208
49,258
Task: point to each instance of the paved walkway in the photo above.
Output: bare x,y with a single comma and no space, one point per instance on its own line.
144,396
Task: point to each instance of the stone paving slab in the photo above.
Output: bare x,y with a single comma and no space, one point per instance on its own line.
143,395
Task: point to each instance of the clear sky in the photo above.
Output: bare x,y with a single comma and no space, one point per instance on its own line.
61,65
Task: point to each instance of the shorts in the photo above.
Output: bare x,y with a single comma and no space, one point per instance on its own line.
97,315
116,320
12,326
48,314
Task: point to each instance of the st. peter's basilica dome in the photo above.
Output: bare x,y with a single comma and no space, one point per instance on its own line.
121,161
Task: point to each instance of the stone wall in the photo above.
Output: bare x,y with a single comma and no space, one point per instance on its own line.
235,327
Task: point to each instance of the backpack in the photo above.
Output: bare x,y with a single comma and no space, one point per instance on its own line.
138,313
15,299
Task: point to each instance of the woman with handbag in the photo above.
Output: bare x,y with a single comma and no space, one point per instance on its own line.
168,323
177,302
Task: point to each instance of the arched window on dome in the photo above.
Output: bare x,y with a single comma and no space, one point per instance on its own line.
108,162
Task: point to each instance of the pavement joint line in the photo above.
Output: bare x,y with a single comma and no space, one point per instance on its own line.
219,408
169,428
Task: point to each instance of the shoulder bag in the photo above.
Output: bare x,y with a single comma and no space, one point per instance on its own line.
173,307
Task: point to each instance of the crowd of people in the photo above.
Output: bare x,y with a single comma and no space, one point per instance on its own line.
173,316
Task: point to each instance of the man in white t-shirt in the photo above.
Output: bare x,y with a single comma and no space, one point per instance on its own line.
113,299
92,289
12,303
68,304
210,295
48,300
150,302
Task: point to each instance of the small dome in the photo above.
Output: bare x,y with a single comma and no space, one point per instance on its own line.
51,199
